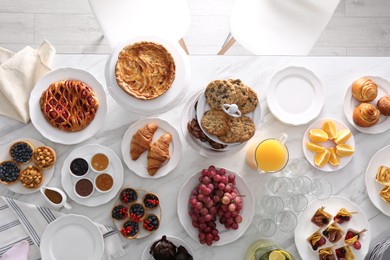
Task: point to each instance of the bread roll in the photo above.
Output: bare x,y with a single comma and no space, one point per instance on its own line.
366,115
364,90
383,105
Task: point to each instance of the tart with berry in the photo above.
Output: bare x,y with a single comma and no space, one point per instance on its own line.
128,195
9,172
321,218
119,212
326,254
345,253
21,152
130,229
316,240
136,212
352,238
151,201
151,222
333,232
343,216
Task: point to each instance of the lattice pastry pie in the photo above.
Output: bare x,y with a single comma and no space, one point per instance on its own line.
69,105
145,70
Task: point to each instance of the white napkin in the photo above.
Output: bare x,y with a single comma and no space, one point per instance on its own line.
18,252
18,74
22,221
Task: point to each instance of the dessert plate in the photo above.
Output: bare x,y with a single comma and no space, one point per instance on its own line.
226,235
57,135
140,165
115,169
350,103
310,155
175,240
17,187
295,95
72,237
332,205
381,157
166,101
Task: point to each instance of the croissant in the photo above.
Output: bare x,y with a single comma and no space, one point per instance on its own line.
158,153
364,90
366,115
141,140
383,105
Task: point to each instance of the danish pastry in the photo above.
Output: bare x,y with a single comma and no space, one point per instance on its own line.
145,70
366,115
383,105
69,105
364,90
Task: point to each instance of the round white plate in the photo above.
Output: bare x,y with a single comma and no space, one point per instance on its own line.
17,187
175,240
72,237
115,169
226,235
202,107
306,228
166,101
57,135
140,165
310,155
381,157
295,95
350,103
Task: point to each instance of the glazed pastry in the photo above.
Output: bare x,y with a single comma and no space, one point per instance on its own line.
333,232
343,216
385,194
141,140
159,153
321,218
326,254
316,240
364,90
345,253
383,175
366,115
383,105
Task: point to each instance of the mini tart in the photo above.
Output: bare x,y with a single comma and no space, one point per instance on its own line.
316,240
345,253
31,177
383,175
326,254
333,233
343,216
9,167
321,218
119,212
151,222
385,194
137,212
128,195
353,237
44,157
150,201
130,229
21,152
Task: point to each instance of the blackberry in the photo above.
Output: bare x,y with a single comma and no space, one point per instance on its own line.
136,212
9,171
151,222
21,152
151,201
119,212
128,195
130,229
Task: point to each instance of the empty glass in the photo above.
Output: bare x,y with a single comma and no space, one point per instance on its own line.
264,226
297,167
271,205
286,221
321,189
297,202
302,185
281,186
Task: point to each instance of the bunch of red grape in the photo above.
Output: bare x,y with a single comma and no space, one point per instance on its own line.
214,196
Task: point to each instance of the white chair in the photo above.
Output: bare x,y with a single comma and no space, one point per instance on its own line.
123,19
278,27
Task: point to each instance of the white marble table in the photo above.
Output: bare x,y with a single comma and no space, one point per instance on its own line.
335,73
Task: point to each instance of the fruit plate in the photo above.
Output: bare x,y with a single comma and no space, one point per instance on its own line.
17,186
381,157
306,228
140,165
310,155
226,235
175,240
57,135
295,95
166,101
350,103
115,168
142,232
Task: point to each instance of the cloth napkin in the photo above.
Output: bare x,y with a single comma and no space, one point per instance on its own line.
18,252
21,221
18,74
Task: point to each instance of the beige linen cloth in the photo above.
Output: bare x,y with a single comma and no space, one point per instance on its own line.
18,74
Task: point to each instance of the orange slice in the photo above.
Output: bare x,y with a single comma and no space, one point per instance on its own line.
334,159
344,150
318,135
315,148
322,158
330,128
342,136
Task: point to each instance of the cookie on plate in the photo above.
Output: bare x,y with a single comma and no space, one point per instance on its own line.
241,129
215,122
246,97
219,92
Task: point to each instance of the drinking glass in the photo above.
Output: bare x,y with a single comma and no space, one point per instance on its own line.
271,204
264,226
297,202
281,186
297,167
302,185
321,189
286,221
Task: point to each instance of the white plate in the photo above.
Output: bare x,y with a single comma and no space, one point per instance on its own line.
115,169
381,157
17,187
202,107
72,237
175,240
350,103
166,101
310,155
140,165
306,228
295,95
57,135
226,235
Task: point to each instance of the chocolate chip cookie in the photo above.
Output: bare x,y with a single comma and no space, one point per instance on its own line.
250,101
241,129
219,92
215,122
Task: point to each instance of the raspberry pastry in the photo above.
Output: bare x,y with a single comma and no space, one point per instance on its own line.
69,105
